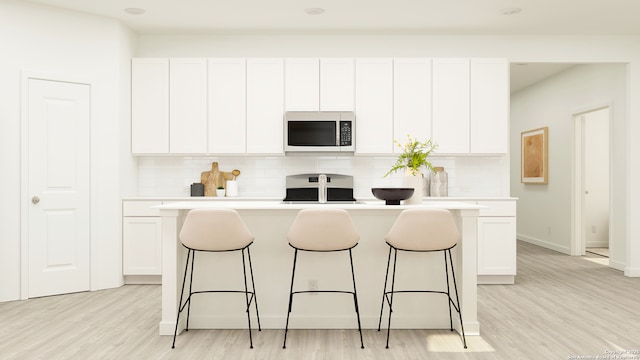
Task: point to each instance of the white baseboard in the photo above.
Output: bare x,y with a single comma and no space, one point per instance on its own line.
143,279
632,272
496,279
617,265
544,244
597,244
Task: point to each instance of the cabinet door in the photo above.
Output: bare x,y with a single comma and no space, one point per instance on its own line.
451,105
336,84
188,106
142,246
227,106
496,246
265,106
489,106
411,99
302,84
374,106
149,106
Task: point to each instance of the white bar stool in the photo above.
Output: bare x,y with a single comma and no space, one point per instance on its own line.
323,230
422,230
216,230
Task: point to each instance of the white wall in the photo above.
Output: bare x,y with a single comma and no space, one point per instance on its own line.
544,211
61,43
569,49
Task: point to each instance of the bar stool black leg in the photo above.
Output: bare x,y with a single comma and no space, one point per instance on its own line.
384,290
293,274
355,299
253,286
246,296
446,272
184,279
193,260
393,281
455,287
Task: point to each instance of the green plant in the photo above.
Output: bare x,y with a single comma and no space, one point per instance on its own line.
414,155
220,187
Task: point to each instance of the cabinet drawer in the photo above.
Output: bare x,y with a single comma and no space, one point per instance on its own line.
140,208
497,208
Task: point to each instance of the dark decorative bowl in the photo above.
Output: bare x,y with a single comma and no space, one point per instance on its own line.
392,196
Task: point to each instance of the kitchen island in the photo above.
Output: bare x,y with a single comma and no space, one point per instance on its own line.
272,258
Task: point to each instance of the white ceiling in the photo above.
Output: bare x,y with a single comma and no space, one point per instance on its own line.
541,17
585,17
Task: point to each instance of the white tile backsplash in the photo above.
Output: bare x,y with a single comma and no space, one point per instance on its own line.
469,176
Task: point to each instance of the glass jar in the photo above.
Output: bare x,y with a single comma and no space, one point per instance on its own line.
439,182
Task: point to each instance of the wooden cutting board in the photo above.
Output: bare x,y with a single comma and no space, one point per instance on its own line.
214,178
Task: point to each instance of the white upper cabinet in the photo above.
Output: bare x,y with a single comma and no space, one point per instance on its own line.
265,106
451,105
188,106
336,84
374,106
411,99
149,106
489,106
227,106
313,84
302,84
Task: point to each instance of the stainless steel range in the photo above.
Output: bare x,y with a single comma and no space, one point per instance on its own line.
319,188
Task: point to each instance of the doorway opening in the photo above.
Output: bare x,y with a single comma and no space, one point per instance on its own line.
592,179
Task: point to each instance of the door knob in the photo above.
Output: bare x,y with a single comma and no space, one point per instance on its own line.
35,199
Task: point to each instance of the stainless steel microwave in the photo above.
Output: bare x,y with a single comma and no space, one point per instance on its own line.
319,131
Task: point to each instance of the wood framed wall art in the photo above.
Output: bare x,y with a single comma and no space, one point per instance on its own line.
534,156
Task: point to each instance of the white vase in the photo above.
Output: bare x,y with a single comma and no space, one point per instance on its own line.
417,183
232,188
439,183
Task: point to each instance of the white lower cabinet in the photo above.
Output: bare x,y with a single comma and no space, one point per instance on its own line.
497,242
141,240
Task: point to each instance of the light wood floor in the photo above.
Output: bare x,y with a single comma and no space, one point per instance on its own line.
560,306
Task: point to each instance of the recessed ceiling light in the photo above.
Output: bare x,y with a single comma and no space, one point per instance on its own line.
134,11
510,11
314,11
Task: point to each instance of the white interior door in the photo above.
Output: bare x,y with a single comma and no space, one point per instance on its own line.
58,187
595,127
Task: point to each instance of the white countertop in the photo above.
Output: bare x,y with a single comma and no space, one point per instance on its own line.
249,198
278,205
